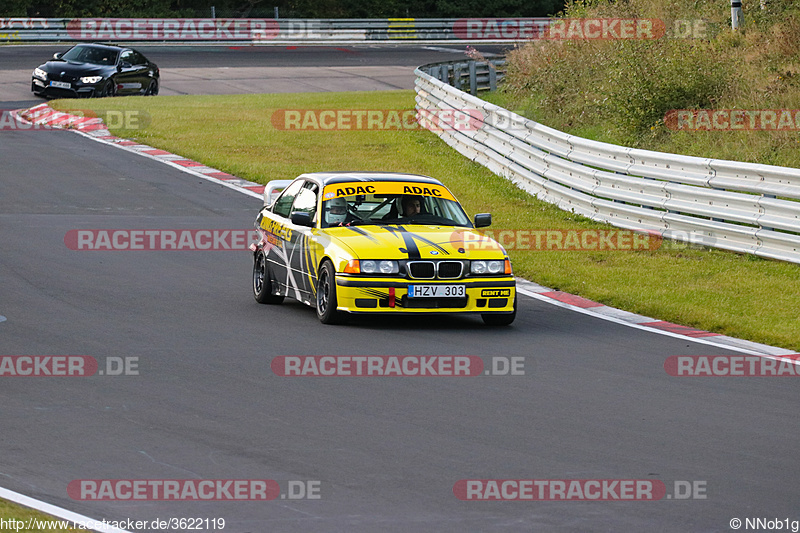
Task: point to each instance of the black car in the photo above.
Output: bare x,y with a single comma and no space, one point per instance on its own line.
88,70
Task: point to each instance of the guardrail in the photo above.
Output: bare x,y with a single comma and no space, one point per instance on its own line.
473,76
261,30
742,207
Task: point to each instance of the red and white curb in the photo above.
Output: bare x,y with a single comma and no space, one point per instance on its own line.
644,323
95,129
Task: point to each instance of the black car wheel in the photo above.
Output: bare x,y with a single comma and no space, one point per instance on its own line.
500,320
152,89
262,284
109,89
326,295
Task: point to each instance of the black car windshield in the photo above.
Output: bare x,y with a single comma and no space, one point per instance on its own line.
91,54
366,209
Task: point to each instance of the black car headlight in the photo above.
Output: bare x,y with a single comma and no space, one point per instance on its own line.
89,80
39,73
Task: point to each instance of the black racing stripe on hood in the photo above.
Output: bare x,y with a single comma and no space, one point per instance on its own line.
410,239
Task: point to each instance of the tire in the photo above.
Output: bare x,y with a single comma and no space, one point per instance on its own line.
326,295
152,89
262,284
109,89
500,320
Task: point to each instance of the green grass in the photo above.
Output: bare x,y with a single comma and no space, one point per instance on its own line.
732,294
12,511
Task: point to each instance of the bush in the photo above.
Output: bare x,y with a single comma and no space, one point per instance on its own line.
620,91
651,78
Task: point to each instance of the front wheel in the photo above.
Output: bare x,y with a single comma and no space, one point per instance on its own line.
500,320
109,89
326,295
262,284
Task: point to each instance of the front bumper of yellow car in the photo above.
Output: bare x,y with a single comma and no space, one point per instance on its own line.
359,294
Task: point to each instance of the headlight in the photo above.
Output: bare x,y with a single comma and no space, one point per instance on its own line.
39,73
487,267
379,267
388,267
369,266
91,79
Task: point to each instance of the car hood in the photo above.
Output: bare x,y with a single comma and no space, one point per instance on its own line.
75,69
416,242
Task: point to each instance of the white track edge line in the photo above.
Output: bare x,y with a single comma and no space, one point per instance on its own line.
648,329
58,512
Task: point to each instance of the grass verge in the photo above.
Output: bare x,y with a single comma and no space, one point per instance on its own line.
737,295
12,511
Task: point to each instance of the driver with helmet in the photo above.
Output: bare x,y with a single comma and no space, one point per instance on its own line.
336,211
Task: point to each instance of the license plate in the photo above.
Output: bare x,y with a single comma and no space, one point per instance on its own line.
60,85
436,291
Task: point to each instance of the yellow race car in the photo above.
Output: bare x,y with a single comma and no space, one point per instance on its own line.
374,242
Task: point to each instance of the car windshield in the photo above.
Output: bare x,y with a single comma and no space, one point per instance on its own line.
382,209
91,54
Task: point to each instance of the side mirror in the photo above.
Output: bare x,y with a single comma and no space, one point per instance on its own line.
301,218
483,220
123,65
57,55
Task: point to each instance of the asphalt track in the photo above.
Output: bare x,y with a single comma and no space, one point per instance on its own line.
250,69
594,403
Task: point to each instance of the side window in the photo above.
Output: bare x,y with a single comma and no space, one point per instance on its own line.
306,199
127,57
284,203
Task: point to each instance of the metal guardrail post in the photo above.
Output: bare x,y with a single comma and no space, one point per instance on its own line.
468,76
473,82
492,77
737,18
457,76
445,74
